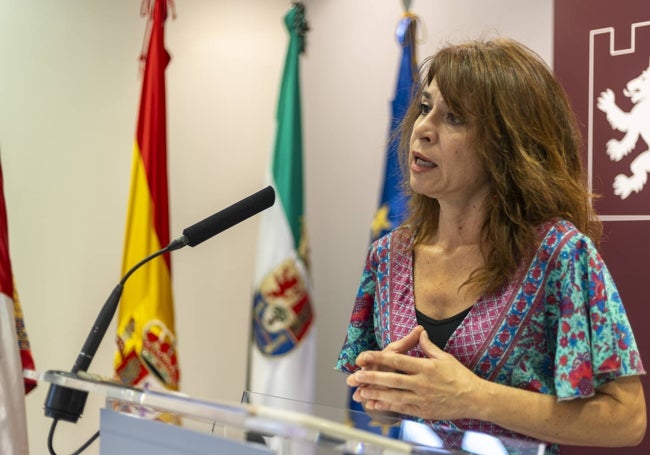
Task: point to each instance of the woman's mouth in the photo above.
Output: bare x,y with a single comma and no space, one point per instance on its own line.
423,162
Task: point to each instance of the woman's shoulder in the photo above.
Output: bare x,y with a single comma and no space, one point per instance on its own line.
559,229
401,237
562,240
558,226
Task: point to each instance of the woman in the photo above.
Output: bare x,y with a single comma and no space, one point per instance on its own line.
490,308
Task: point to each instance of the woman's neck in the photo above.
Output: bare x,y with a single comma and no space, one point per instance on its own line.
459,225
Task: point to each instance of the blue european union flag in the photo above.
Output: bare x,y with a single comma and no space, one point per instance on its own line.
393,202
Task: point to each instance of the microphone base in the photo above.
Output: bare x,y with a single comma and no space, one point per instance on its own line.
64,403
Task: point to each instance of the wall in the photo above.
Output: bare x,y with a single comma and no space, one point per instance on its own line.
69,91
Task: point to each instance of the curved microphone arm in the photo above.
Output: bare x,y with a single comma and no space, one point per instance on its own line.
63,403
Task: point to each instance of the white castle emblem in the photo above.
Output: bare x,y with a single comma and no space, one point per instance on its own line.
634,124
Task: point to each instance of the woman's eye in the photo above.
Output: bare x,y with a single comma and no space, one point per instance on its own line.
453,119
424,109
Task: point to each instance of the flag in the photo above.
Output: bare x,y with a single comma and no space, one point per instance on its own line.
393,202
146,342
282,352
15,354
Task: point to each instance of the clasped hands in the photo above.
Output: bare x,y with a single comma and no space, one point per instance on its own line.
437,387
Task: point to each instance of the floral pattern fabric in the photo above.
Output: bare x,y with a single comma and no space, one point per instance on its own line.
558,328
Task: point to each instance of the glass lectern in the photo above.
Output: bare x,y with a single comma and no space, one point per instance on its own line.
258,425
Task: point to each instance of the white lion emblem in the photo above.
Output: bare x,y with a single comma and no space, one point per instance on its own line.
634,124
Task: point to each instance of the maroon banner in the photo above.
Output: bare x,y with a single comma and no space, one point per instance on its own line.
602,57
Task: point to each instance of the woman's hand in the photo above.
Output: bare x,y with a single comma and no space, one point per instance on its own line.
436,387
401,346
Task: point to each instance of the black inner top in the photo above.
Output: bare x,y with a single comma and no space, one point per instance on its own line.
439,330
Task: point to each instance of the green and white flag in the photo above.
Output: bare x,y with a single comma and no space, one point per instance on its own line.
282,358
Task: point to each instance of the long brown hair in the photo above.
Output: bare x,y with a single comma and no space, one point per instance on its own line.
527,136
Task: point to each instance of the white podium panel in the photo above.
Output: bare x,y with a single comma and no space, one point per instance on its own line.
126,434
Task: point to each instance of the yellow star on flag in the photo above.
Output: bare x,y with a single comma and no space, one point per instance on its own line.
381,222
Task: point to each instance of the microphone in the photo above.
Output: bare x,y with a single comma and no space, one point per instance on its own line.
64,403
228,217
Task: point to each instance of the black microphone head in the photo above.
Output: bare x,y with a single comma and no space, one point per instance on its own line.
228,217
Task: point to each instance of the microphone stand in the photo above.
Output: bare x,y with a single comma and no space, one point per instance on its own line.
64,403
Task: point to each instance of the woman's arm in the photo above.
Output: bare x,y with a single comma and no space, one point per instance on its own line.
439,387
614,417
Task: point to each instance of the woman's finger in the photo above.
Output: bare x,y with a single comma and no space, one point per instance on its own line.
408,342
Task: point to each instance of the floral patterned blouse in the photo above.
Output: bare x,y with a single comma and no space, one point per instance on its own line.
558,328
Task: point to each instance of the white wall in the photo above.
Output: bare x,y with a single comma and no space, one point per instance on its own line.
69,92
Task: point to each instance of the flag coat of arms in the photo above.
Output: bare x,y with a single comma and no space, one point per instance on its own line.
282,357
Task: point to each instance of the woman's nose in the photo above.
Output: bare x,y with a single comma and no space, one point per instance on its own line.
425,130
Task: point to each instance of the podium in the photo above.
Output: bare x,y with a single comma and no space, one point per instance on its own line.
258,425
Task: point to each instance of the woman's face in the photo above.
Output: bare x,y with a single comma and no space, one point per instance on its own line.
443,160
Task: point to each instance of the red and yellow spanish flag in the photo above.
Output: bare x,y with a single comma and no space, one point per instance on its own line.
146,340
15,354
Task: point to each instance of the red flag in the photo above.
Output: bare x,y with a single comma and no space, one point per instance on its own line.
15,354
